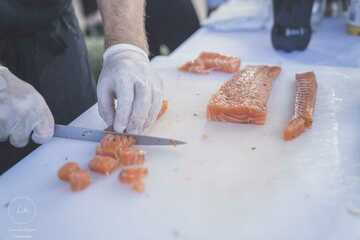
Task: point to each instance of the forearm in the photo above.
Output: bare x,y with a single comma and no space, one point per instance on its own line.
124,22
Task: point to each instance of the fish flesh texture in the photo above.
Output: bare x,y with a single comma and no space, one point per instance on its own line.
305,100
243,99
210,61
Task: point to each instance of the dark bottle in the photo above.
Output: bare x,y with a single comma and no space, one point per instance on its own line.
292,24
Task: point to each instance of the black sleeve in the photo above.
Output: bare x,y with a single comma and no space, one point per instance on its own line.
23,16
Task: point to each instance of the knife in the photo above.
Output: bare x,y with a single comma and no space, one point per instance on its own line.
86,134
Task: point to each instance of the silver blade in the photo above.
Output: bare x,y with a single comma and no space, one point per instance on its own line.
85,134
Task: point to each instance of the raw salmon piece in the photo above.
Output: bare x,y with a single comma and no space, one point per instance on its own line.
138,186
164,108
294,129
107,153
104,164
132,175
65,171
209,61
305,100
219,62
243,99
79,180
195,66
111,143
130,156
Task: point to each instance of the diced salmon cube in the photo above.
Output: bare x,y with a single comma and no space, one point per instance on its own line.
65,171
138,186
164,108
132,175
111,142
79,180
130,156
103,164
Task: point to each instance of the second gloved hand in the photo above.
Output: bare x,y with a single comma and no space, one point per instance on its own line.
128,77
23,112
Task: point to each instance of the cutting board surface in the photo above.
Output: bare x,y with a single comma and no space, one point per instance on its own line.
229,182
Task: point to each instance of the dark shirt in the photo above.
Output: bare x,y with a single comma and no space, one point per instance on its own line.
20,17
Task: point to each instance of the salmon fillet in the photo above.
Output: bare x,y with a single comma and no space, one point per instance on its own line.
305,100
243,99
209,61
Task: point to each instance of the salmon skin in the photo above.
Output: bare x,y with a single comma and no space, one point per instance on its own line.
209,61
305,100
243,99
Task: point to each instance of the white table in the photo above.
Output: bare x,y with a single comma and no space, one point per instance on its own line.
31,194
330,45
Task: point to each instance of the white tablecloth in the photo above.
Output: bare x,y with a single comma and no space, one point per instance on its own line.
330,45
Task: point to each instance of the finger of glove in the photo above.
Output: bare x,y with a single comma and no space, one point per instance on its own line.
141,108
4,72
125,98
20,134
44,129
156,105
157,101
4,131
6,122
106,102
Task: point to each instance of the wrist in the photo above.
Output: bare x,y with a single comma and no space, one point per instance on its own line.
109,42
124,49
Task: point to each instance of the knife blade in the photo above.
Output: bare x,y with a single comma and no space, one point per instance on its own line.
92,135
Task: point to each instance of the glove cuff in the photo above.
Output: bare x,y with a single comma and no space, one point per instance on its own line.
123,47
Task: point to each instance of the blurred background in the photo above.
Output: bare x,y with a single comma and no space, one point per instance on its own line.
168,24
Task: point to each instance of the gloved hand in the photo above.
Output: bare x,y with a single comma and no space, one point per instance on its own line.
128,77
23,112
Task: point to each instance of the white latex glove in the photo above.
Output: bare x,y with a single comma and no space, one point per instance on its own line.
128,77
23,112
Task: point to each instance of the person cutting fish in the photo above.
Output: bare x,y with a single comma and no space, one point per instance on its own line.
45,75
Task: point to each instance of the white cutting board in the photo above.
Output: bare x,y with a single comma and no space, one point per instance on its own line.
229,182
